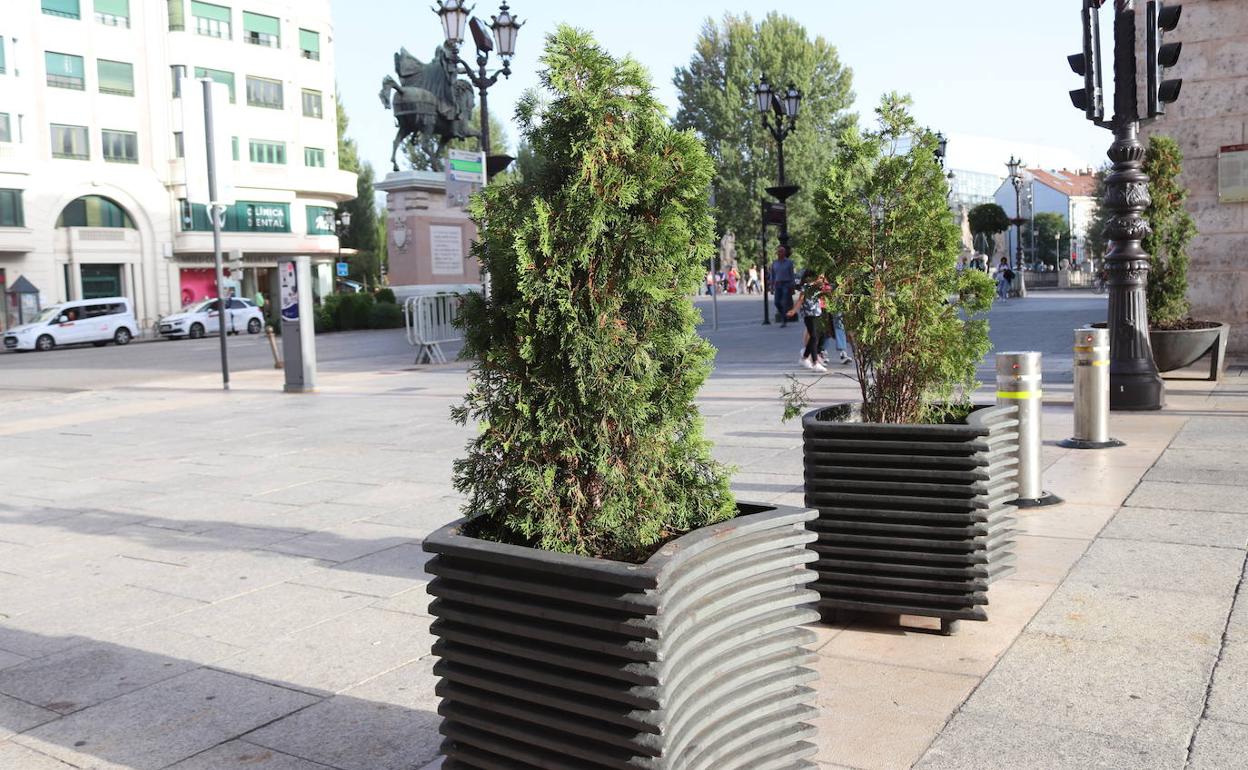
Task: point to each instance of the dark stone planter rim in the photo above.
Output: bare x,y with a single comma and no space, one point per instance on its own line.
975,424
646,575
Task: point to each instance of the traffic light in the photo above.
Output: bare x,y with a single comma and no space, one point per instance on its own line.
1089,99
1162,18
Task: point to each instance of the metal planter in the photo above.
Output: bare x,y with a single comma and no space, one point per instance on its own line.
693,660
913,519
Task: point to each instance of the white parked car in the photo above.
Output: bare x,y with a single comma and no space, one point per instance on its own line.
200,318
98,321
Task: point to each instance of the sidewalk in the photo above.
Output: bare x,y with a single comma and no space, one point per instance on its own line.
197,580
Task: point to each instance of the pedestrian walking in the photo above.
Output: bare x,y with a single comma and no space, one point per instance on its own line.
733,277
751,285
810,297
783,284
710,282
1005,277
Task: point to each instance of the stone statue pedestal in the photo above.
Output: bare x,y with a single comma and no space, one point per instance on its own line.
428,237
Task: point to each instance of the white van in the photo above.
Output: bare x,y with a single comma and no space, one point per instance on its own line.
99,321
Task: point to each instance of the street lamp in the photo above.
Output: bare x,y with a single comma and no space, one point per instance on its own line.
341,226
942,144
784,106
499,35
1016,178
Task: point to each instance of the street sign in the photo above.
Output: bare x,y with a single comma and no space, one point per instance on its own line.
342,269
465,166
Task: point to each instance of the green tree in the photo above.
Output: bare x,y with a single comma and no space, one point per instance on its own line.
988,220
422,152
1051,232
586,350
362,234
888,247
1094,239
1172,230
716,93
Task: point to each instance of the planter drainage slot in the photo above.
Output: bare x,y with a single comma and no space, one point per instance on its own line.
913,519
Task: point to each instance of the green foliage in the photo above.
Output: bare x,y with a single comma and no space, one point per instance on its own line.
886,242
348,151
716,92
353,311
1051,232
324,319
586,350
1094,241
384,296
988,220
362,234
1172,230
385,315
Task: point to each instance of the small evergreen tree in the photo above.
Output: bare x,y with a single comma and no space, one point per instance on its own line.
988,220
587,356
886,242
1172,230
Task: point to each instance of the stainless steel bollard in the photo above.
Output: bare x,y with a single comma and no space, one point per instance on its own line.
1091,395
1019,384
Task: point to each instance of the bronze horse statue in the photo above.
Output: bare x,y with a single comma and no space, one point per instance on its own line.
430,100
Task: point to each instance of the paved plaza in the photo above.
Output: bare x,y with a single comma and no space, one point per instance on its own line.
194,580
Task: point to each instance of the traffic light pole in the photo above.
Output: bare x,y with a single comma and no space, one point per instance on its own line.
1134,382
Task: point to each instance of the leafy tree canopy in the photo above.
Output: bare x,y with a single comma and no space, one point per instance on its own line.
587,354
1050,227
362,235
716,92
888,247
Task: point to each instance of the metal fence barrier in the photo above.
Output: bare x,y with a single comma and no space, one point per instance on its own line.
1019,384
430,321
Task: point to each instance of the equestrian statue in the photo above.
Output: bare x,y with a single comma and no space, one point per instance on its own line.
430,100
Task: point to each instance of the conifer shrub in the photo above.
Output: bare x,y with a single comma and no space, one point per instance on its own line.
888,245
385,315
587,360
1171,230
385,295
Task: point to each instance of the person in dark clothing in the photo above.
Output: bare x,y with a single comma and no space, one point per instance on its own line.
783,282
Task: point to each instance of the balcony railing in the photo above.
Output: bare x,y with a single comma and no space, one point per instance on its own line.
111,20
313,55
261,38
66,81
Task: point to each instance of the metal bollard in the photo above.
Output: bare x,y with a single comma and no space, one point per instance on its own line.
1091,391
1019,384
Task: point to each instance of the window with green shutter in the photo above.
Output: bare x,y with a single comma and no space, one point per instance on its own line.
65,70
259,29
116,77
262,92
70,142
314,157
11,214
6,128
66,9
120,146
312,104
234,147
320,220
211,20
310,44
113,13
217,76
177,15
268,152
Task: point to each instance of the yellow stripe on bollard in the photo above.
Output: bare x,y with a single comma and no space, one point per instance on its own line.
1020,394
1100,363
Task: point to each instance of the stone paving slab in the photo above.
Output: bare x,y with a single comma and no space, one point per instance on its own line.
19,757
1161,566
1223,530
1228,698
1218,745
18,716
166,722
1188,497
241,755
383,574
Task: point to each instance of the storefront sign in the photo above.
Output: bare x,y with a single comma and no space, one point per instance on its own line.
446,246
1233,173
266,218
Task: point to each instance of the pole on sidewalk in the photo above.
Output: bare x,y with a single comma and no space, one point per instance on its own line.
1019,384
1091,391
215,212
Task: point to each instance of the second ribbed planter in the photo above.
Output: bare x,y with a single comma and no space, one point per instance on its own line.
692,660
913,519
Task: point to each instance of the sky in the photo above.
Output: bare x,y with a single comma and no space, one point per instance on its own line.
991,74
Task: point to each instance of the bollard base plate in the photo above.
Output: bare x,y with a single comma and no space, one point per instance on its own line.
1078,443
1045,499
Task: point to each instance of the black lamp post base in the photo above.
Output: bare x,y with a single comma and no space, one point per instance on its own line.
1136,393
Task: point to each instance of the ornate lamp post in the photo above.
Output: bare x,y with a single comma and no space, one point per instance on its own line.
341,226
1134,383
1016,178
500,33
785,106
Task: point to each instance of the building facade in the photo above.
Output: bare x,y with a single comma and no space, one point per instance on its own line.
1210,123
92,182
1071,194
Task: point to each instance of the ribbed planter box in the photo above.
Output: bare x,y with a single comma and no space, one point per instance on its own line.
913,519
1176,348
694,659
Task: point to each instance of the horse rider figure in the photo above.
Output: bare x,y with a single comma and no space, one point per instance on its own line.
430,100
